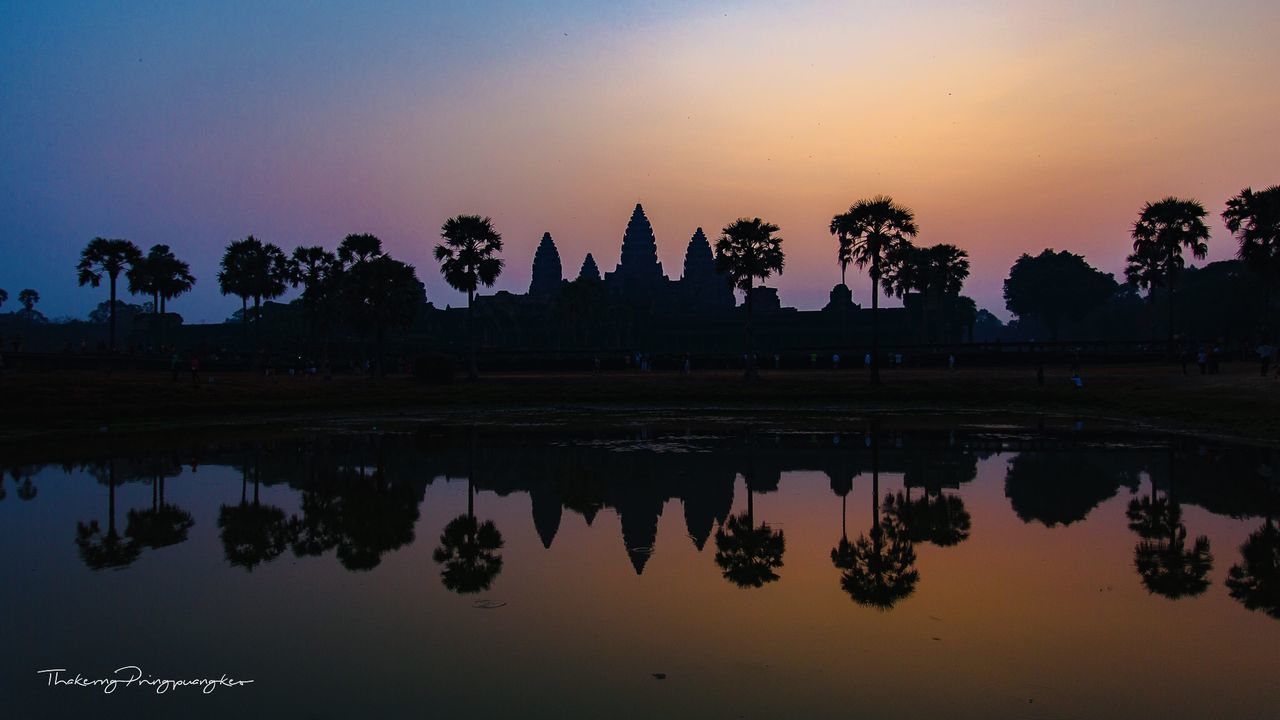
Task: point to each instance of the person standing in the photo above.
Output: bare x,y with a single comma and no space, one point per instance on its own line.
195,370
1266,352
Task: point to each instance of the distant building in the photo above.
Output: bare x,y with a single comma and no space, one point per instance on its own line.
547,273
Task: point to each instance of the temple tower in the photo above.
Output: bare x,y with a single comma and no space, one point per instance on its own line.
547,273
701,286
589,270
639,274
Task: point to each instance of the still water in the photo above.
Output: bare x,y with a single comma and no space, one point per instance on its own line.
875,567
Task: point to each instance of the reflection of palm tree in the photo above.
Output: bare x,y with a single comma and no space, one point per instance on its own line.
252,533
746,553
1164,562
1255,582
1169,568
468,551
109,550
879,570
161,526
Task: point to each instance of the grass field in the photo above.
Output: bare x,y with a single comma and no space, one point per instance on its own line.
1237,402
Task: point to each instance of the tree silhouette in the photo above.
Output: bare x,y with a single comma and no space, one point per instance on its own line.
1163,229
468,551
318,272
468,258
163,524
872,229
936,272
252,533
1164,562
748,554
110,258
253,269
1254,219
1255,581
747,250
4,296
380,293
941,520
28,299
1055,287
876,570
99,550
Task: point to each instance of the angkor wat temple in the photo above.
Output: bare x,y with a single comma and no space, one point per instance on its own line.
638,306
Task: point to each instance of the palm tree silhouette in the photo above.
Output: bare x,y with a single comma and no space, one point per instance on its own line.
941,519
873,229
1164,562
747,250
162,276
99,550
468,551
876,570
107,257
252,269
252,533
748,554
1163,229
1254,219
468,258
318,272
163,524
1255,581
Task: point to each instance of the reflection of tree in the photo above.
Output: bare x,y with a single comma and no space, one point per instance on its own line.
1255,581
1043,486
109,550
252,533
468,551
748,554
23,476
942,520
877,570
362,515
1162,558
162,525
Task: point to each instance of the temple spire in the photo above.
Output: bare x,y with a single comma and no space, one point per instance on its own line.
589,270
547,272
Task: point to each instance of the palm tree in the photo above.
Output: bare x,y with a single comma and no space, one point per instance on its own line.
879,570
1254,218
161,275
28,299
4,296
107,257
317,271
253,269
468,258
1255,581
162,525
874,228
747,250
357,248
1162,559
1163,229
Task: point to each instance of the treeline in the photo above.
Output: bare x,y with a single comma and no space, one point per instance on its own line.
1053,295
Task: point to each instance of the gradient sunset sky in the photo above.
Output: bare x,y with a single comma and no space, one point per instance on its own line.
1007,126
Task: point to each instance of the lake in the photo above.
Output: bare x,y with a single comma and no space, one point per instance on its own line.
659,566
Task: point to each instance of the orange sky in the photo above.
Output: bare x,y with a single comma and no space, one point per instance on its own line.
1007,127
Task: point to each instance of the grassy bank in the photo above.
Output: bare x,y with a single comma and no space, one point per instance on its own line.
1237,402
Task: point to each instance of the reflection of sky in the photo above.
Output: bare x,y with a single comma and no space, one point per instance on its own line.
1016,612
1008,127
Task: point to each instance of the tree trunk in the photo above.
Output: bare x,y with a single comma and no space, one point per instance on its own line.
751,337
875,317
472,370
112,340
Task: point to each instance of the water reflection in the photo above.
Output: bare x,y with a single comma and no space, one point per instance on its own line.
359,497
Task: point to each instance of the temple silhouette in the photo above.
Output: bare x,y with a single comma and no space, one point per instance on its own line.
638,306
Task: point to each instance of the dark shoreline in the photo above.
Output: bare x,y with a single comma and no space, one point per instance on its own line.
1159,398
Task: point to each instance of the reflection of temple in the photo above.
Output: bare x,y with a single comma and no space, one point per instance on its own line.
359,495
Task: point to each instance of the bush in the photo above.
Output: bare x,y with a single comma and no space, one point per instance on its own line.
433,368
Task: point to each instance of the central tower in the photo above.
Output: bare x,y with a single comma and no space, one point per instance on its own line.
639,274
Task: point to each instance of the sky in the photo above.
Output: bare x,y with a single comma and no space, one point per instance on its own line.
1008,127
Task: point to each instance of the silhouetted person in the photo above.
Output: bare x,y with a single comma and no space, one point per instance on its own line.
195,370
1265,353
